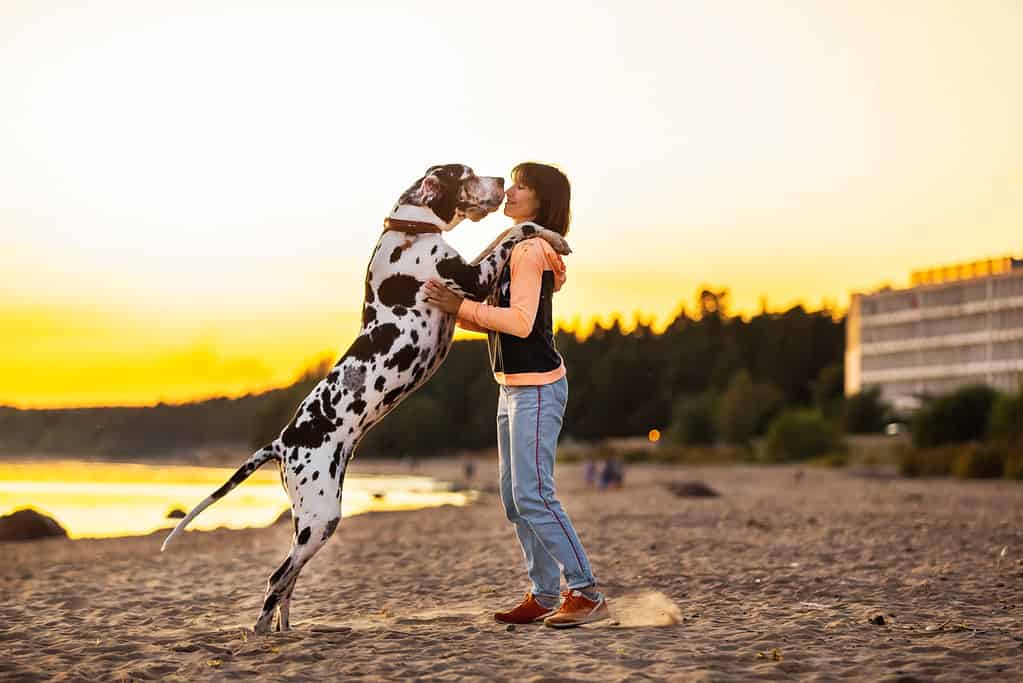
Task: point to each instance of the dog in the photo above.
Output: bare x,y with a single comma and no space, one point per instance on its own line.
401,343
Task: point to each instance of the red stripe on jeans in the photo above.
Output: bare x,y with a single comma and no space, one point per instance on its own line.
539,484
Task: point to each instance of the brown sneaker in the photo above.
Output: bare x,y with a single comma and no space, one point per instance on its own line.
528,611
577,609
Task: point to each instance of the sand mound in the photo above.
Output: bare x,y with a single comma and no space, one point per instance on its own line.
645,609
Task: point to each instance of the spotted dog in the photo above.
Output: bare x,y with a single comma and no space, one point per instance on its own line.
402,342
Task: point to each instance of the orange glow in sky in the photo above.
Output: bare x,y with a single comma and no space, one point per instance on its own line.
190,190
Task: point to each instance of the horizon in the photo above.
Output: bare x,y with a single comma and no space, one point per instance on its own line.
178,224
580,330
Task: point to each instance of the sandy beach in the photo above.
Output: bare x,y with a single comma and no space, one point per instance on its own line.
792,573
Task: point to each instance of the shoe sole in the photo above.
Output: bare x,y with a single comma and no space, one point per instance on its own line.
590,619
527,623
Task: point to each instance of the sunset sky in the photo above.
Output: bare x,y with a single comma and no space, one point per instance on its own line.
190,190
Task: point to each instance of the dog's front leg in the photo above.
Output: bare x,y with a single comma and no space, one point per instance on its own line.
476,279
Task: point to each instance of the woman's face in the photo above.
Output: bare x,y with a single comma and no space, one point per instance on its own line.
521,203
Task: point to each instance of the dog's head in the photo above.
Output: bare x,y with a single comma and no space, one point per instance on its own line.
454,192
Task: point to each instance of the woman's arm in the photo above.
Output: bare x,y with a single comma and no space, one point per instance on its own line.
468,325
527,266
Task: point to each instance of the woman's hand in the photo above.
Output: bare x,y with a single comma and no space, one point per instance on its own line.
438,294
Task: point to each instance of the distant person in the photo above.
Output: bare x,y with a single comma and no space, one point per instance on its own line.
612,473
606,474
590,472
469,470
531,404
618,472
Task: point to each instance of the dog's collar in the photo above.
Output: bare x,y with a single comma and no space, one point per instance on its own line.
410,227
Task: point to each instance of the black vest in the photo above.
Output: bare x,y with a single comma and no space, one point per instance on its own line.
535,353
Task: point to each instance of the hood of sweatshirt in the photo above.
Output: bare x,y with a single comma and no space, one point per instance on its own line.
555,262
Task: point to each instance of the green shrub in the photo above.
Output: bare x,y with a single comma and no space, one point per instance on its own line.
692,420
415,426
567,456
930,462
1014,465
736,416
1006,422
798,435
830,460
678,454
954,418
979,462
829,391
704,455
640,455
745,408
864,413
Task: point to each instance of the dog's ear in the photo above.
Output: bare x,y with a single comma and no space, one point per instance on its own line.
430,188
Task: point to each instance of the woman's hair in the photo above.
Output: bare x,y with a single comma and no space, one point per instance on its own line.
552,189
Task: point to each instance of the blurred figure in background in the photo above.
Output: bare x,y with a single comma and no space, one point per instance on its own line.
590,472
613,473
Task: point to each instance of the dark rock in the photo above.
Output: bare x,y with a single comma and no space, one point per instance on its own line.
691,489
509,627
877,620
176,513
27,525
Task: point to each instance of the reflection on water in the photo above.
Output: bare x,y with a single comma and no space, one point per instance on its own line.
115,499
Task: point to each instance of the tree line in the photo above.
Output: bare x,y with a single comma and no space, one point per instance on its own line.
620,384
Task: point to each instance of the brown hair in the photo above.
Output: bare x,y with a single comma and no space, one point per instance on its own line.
552,189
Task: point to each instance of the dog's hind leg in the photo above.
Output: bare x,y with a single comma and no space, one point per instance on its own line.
284,608
275,580
279,587
316,516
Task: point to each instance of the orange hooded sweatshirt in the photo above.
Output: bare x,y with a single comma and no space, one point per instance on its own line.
529,259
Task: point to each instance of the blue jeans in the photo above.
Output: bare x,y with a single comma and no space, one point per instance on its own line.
528,423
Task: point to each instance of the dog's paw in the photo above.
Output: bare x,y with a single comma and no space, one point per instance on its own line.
557,242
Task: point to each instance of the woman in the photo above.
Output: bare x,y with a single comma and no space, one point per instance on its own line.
531,406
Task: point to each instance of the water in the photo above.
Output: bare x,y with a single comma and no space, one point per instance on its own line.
95,500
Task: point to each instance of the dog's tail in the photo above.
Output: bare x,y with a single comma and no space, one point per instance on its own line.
251,465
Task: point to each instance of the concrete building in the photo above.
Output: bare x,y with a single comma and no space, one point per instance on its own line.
954,326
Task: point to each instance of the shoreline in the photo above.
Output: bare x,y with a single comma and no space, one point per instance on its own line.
105,499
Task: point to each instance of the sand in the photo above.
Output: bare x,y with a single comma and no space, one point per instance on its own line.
792,574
